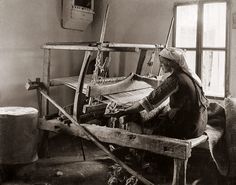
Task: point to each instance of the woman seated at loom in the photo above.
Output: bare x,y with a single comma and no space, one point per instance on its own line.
187,114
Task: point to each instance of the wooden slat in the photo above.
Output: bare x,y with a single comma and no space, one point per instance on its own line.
137,46
78,99
196,141
72,81
43,102
94,108
157,144
103,47
46,80
104,23
169,32
91,43
68,81
180,169
75,47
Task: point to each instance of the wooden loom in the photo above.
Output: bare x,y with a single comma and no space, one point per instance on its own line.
92,95
90,92
178,149
99,92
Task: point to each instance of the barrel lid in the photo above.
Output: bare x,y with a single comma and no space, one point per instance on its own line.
17,111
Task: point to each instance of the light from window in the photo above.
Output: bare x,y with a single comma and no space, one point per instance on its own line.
213,73
214,25
209,18
191,59
186,26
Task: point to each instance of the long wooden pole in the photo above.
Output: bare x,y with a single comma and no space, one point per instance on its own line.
104,24
102,36
169,32
167,39
80,84
96,141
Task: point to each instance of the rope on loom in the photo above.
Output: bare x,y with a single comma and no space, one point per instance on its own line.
152,59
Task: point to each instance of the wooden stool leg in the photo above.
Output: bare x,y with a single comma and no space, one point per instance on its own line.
179,176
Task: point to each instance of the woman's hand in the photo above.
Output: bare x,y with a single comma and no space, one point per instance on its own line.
119,113
114,110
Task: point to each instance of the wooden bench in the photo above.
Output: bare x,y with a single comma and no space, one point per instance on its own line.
180,165
179,150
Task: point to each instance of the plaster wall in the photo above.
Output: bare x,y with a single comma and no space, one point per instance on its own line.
25,25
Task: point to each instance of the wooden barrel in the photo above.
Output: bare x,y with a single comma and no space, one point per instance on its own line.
18,135
230,110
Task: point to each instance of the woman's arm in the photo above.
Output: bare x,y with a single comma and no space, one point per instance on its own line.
154,82
156,97
160,94
136,107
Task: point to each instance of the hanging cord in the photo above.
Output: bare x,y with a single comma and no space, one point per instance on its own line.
101,41
104,69
151,61
97,66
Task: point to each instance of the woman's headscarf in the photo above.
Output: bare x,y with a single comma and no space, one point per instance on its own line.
178,56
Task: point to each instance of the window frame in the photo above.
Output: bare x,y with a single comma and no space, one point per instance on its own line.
199,40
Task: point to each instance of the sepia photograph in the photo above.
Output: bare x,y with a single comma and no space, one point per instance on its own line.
117,92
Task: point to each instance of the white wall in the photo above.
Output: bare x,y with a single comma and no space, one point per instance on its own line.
24,26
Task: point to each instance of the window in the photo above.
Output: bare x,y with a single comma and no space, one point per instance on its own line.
200,29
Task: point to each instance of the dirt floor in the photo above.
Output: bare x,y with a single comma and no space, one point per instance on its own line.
61,171
65,166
